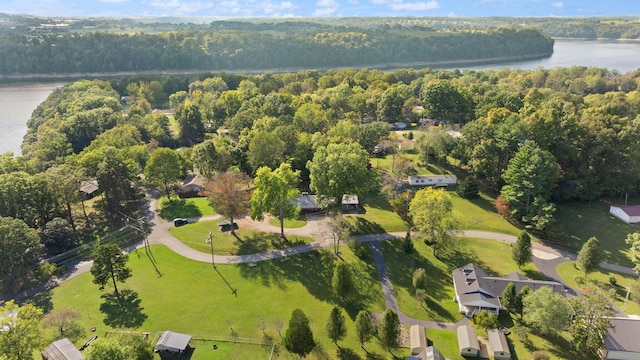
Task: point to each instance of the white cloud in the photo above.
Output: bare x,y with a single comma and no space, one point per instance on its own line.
452,14
327,3
325,11
557,5
416,6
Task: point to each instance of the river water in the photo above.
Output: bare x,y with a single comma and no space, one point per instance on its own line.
17,102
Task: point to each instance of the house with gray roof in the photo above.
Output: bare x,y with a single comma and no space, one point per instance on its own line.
477,291
173,342
622,340
62,349
498,344
468,343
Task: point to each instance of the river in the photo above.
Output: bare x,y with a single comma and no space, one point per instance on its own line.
17,102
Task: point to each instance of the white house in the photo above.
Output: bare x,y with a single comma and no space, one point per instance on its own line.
433,180
468,341
627,213
173,342
498,344
623,340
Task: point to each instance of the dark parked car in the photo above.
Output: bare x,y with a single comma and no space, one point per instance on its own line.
180,221
226,225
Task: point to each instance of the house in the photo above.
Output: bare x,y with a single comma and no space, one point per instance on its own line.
468,341
384,147
193,188
406,145
630,214
428,353
477,291
622,340
62,349
498,344
307,203
350,202
173,342
418,339
89,188
433,180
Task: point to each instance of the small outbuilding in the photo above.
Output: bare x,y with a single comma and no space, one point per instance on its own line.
308,203
630,214
62,349
350,202
89,188
498,344
173,342
468,341
428,353
418,339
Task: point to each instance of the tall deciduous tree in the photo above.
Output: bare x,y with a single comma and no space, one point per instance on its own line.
275,193
530,179
206,159
230,194
266,149
164,168
431,212
521,251
115,173
107,348
65,180
589,256
299,339
191,125
419,279
342,280
590,322
109,264
336,325
633,239
339,169
65,323
20,333
20,247
389,329
364,327
546,311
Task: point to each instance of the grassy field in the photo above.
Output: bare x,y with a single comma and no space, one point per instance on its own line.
378,218
190,207
480,214
583,220
231,301
289,223
600,279
245,241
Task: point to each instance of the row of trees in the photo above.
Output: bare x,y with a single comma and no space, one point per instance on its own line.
257,50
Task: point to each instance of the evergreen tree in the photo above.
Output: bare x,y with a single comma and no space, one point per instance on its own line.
509,297
299,339
420,279
336,326
364,327
521,251
468,188
342,280
109,263
389,329
589,256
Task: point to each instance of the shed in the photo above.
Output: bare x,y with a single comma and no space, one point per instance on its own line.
621,341
630,214
89,188
429,353
173,342
418,339
350,202
468,341
62,349
498,344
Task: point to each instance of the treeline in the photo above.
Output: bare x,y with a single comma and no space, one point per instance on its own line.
259,50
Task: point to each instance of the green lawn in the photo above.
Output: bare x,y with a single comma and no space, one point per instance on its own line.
232,301
600,279
190,207
289,223
195,235
583,220
378,218
480,214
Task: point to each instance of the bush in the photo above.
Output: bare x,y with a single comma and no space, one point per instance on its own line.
503,208
556,232
361,250
468,188
523,334
613,280
407,244
539,355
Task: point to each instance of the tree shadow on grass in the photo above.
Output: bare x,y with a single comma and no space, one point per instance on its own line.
178,208
122,311
361,226
43,300
348,354
253,244
186,355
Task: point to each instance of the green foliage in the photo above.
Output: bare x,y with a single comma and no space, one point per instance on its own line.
229,194
468,188
336,326
539,355
400,204
22,334
407,244
419,279
266,149
164,168
485,320
109,264
590,322
431,213
509,297
521,251
65,324
299,339
633,239
20,246
58,235
389,329
107,348
342,280
589,256
364,327
546,312
191,125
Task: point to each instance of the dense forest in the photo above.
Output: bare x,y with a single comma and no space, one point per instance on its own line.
260,50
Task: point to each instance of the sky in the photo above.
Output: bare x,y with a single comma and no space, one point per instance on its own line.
320,8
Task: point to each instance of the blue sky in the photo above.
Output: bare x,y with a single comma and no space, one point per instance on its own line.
324,8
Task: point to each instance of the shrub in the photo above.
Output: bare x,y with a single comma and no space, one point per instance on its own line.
523,334
613,280
468,188
407,244
539,355
503,208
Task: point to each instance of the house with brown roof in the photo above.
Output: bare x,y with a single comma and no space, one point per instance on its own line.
478,291
630,214
622,340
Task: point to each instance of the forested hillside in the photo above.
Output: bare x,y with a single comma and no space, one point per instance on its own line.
267,48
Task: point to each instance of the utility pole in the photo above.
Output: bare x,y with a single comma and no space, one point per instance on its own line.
210,241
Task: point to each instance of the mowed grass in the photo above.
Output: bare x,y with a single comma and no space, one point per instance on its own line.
230,301
185,208
196,236
583,220
289,223
378,217
600,279
480,214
